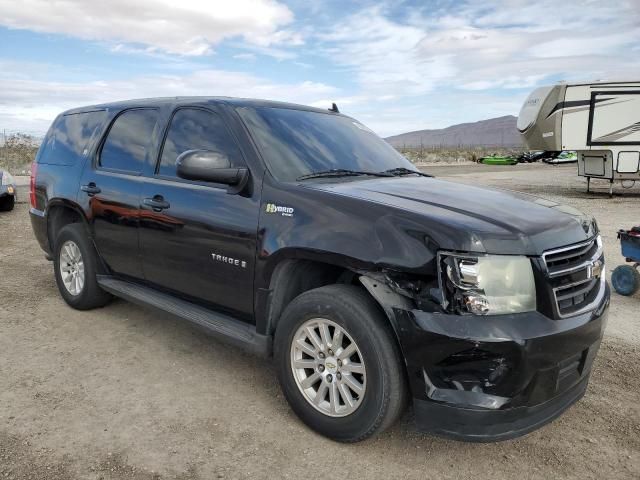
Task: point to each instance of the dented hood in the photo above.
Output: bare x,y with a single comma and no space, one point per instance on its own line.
468,218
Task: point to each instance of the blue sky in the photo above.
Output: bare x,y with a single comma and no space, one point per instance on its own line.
395,65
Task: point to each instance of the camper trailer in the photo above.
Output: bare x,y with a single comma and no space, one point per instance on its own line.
600,121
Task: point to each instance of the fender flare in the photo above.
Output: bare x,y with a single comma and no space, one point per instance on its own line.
61,202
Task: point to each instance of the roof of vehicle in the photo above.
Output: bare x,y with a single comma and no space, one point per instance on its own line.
602,83
202,101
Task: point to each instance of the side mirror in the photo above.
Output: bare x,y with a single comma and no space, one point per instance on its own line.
210,166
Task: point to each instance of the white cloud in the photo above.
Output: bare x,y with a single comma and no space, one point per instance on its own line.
185,27
281,37
385,54
277,53
31,105
569,45
399,68
245,56
510,44
475,60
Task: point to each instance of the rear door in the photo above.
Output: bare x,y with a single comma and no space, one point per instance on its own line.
112,186
199,240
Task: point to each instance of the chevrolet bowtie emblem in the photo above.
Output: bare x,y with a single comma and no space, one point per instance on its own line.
595,269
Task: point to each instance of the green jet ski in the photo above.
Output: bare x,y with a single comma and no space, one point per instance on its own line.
496,159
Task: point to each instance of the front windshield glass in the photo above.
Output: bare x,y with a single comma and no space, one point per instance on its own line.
295,143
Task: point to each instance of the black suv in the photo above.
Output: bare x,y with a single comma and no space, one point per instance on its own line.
297,233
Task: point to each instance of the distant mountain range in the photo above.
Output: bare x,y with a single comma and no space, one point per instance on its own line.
499,131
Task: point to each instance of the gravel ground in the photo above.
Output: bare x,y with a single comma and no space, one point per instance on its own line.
123,392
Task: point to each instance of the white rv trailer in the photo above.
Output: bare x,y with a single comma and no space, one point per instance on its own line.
600,120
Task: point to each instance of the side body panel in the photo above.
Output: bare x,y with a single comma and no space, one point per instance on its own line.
300,223
59,163
575,118
113,215
113,212
615,117
203,246
610,138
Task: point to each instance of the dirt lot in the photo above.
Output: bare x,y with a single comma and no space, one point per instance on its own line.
123,392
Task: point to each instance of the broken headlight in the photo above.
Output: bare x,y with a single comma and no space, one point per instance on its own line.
487,284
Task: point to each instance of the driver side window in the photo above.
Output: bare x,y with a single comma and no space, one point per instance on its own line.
195,129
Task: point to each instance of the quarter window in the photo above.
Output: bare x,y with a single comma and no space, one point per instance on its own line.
129,141
194,129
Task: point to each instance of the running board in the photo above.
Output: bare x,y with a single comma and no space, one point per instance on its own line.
221,326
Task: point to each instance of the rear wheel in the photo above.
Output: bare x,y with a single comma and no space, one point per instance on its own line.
338,363
75,265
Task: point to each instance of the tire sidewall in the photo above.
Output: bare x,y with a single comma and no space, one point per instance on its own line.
75,233
373,407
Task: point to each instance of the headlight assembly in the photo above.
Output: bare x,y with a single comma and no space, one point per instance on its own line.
487,284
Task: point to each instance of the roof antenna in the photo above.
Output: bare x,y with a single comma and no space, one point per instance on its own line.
334,108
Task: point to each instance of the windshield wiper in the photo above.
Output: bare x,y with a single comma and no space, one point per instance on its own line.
405,171
342,172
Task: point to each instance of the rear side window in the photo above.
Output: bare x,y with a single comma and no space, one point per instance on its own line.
69,137
129,140
194,129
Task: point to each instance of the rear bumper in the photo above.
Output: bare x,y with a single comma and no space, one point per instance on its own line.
39,226
497,377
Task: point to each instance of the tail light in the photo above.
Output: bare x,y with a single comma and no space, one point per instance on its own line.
32,185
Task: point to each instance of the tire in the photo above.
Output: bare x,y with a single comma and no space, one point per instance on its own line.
352,310
88,295
625,280
7,203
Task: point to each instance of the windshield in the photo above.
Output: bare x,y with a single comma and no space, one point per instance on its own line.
295,143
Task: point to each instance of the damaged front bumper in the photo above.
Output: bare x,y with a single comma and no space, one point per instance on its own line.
496,377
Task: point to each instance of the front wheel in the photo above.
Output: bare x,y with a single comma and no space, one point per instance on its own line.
339,364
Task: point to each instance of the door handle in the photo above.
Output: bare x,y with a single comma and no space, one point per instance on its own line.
157,203
90,189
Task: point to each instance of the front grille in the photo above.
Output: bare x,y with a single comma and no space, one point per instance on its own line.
565,260
576,275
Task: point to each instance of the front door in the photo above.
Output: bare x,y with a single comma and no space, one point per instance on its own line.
195,238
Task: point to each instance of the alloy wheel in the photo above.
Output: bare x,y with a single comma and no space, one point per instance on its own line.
72,267
328,367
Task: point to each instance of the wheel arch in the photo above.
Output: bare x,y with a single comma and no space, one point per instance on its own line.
59,213
293,276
